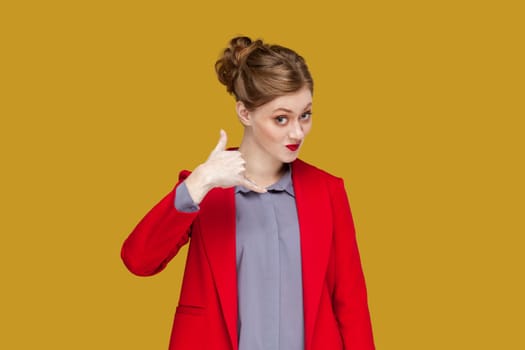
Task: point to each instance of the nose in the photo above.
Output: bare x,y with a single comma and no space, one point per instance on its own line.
296,131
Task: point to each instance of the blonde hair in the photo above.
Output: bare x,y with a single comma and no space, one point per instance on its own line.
256,73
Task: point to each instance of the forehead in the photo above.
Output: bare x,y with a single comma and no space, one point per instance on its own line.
296,101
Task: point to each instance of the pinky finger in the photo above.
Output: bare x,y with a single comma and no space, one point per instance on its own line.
252,185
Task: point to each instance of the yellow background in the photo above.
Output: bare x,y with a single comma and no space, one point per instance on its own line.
418,105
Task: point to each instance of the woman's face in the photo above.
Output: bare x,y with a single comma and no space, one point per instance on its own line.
280,126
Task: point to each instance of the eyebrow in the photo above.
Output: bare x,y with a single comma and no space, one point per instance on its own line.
289,110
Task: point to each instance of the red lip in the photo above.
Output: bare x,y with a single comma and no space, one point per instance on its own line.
293,147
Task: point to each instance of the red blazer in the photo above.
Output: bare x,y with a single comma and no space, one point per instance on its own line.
336,315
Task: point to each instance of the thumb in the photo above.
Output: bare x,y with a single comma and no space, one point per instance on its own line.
221,145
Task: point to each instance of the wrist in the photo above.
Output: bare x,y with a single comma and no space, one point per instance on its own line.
197,185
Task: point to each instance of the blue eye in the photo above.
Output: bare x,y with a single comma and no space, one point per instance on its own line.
281,119
306,116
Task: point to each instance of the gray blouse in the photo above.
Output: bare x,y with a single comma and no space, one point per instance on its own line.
269,275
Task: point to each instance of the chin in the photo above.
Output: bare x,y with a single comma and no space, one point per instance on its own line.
284,157
289,158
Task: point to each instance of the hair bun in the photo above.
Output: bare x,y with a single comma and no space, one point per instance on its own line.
256,72
233,58
239,48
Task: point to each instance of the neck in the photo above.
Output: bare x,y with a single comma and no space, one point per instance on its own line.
260,166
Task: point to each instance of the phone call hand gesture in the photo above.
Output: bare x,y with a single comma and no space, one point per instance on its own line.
222,169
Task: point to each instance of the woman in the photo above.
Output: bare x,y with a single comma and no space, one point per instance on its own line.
273,261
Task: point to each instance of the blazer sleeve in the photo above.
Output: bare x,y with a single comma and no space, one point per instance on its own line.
349,296
158,237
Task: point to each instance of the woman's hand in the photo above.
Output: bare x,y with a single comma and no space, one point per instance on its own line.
222,169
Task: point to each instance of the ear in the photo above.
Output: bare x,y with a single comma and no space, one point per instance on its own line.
243,113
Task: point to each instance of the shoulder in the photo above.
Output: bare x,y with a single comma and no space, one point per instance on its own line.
307,170
300,165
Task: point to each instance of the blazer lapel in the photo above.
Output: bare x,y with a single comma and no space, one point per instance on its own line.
218,235
315,224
